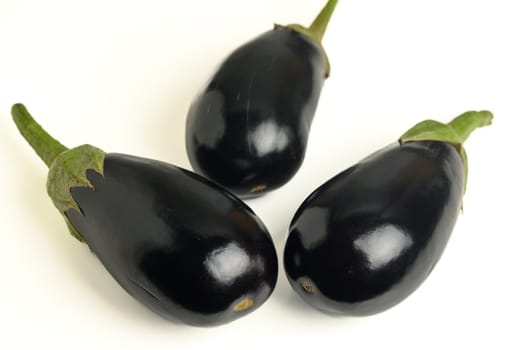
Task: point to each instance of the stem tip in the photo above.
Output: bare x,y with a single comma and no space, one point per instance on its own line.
44,144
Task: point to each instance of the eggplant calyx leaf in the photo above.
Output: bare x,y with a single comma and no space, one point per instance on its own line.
68,170
455,132
317,29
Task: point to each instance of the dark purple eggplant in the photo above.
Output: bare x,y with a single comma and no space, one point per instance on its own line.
181,245
248,129
367,238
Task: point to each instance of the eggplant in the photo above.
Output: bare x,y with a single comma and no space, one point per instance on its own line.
367,238
248,129
183,246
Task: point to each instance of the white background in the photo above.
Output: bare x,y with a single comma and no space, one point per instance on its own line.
121,74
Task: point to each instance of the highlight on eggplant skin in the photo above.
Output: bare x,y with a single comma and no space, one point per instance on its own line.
178,243
366,239
248,129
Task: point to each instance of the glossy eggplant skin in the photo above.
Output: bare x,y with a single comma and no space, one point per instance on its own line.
183,246
248,129
367,238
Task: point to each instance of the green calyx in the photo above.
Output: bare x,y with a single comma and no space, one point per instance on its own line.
67,171
67,167
455,132
317,29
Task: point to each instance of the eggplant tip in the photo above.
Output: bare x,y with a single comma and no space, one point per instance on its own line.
243,305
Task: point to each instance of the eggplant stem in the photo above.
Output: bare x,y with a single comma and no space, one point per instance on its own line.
466,123
46,147
319,25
